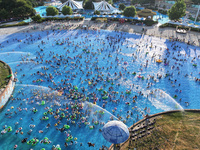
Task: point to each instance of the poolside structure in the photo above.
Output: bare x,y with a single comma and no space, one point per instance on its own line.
7,83
105,7
115,132
146,13
75,5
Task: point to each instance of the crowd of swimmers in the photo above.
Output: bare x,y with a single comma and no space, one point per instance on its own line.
91,68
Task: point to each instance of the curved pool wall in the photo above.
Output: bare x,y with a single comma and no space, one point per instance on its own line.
5,95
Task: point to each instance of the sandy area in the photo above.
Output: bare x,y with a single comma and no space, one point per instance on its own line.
167,33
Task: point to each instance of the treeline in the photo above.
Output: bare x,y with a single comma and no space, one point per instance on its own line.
17,8
196,2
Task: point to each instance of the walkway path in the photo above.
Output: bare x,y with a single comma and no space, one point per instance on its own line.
167,33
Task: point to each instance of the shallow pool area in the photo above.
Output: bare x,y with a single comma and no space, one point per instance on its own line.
41,10
72,82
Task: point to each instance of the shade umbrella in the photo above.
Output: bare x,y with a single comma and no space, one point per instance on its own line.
115,132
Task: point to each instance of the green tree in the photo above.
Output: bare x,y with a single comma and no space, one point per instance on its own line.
4,14
51,11
97,12
110,1
133,2
88,4
196,2
122,6
177,10
23,11
66,10
36,18
129,11
17,8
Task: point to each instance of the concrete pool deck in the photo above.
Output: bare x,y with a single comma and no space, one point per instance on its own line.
167,33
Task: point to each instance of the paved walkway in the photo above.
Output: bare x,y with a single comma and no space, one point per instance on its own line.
167,33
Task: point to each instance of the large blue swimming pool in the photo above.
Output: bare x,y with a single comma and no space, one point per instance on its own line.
83,78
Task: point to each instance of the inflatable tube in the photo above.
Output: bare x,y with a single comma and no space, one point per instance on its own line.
101,112
69,139
100,89
35,110
128,92
42,103
91,127
46,140
134,73
49,111
45,118
159,61
195,65
75,87
34,143
62,115
96,122
8,129
105,97
66,126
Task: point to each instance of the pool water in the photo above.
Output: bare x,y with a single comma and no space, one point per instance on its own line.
48,64
41,10
162,19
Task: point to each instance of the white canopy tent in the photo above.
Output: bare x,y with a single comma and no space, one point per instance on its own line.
104,6
75,5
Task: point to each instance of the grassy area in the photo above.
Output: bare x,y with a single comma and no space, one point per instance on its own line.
14,25
178,131
4,73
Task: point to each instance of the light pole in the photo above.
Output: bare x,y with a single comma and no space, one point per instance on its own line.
197,14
